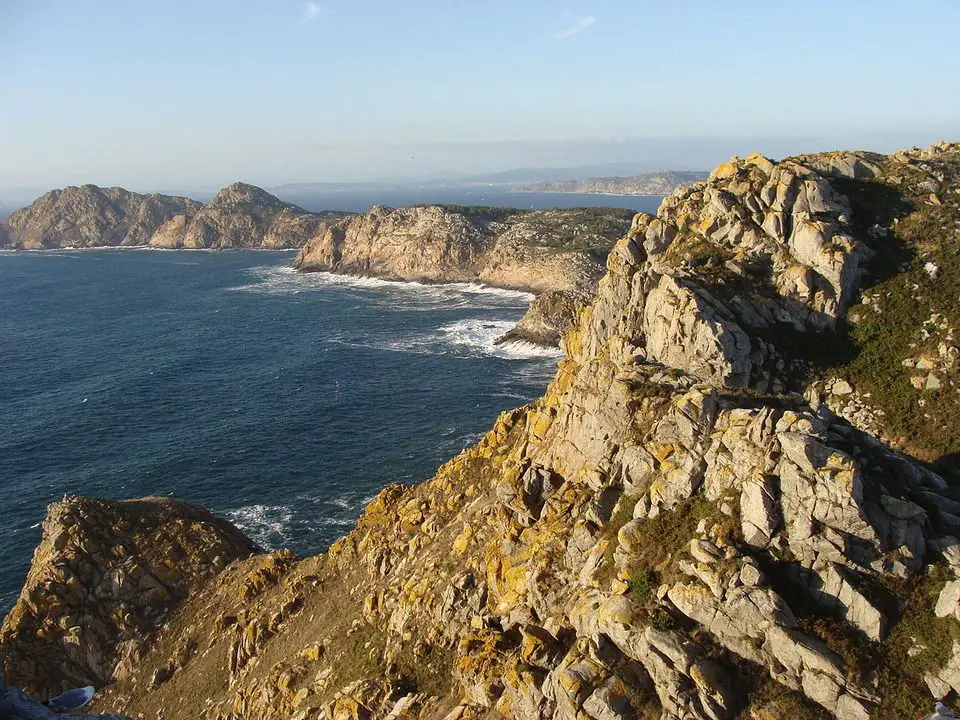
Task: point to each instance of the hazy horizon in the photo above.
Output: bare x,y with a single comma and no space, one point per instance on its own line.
189,97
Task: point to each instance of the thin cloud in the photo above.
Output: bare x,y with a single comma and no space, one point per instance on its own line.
311,10
578,27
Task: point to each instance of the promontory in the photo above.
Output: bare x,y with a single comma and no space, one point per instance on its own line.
557,254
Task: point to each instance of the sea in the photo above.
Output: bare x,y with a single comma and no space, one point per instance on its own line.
279,400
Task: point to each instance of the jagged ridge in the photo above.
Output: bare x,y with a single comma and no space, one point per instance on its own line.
670,531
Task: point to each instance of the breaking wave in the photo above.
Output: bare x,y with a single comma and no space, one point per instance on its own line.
390,294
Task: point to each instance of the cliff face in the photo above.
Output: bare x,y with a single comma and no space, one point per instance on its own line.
537,251
673,530
243,216
239,216
90,216
545,251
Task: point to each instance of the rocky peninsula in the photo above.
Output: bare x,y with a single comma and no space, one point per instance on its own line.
556,252
239,216
656,183
736,499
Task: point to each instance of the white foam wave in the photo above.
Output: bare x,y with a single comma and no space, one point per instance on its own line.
481,336
334,522
267,524
285,279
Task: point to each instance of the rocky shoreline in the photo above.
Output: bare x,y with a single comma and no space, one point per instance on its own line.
688,524
555,254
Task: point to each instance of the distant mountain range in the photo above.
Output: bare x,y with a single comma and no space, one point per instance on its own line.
525,179
659,183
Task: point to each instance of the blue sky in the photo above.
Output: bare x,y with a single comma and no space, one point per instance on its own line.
179,95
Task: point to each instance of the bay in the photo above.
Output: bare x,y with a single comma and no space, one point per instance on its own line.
281,401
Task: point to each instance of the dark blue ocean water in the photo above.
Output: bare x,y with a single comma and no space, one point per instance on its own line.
281,401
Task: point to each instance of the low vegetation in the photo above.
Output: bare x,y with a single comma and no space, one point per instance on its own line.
909,307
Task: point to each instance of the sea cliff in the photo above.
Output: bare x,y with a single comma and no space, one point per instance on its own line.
559,252
736,499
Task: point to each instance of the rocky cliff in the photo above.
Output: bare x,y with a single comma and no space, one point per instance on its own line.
106,576
658,183
544,251
90,216
243,216
712,513
239,216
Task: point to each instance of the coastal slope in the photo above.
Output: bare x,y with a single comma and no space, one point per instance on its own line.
711,513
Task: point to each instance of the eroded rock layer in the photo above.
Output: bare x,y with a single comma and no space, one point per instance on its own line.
674,530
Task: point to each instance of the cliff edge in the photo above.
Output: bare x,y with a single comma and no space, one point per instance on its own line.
104,579
712,512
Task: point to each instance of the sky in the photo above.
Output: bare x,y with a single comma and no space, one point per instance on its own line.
182,95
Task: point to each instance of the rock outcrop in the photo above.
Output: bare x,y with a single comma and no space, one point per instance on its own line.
673,530
545,251
239,216
549,316
90,216
105,578
243,216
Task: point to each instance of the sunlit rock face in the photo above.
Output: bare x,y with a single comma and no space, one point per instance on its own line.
681,527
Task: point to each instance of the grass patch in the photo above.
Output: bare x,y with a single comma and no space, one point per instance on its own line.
769,700
660,541
621,516
425,667
642,583
917,232
902,668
